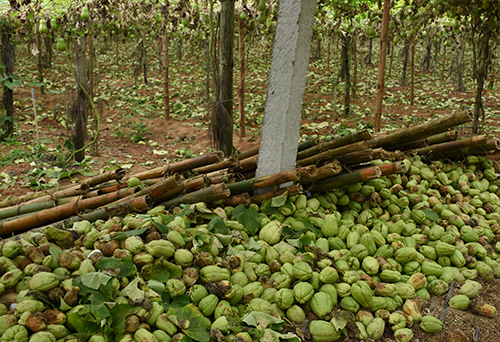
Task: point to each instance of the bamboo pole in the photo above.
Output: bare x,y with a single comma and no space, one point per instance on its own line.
357,157
492,146
410,145
421,131
60,212
392,168
218,176
230,162
271,180
381,67
181,166
380,153
15,200
137,204
443,137
324,171
246,164
80,188
332,153
346,179
248,153
25,209
341,141
293,190
208,195
436,149
235,200
306,144
158,189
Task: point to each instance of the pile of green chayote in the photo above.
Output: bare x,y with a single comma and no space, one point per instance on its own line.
355,261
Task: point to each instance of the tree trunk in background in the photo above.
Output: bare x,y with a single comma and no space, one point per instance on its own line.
368,57
484,54
165,43
461,86
444,64
144,63
39,55
345,72
427,57
381,67
210,50
406,53
8,61
355,61
328,52
241,84
80,109
392,55
412,87
221,128
91,61
47,41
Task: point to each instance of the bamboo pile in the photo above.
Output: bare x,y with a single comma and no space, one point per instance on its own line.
211,178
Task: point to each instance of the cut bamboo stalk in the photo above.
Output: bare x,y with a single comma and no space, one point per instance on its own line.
378,153
346,179
47,216
139,204
392,168
272,180
491,147
192,163
332,153
219,176
249,153
306,144
196,183
235,200
452,145
81,187
443,137
324,171
410,145
181,166
158,189
15,200
188,185
24,209
230,162
293,190
249,174
118,186
208,195
345,140
246,164
357,157
421,131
